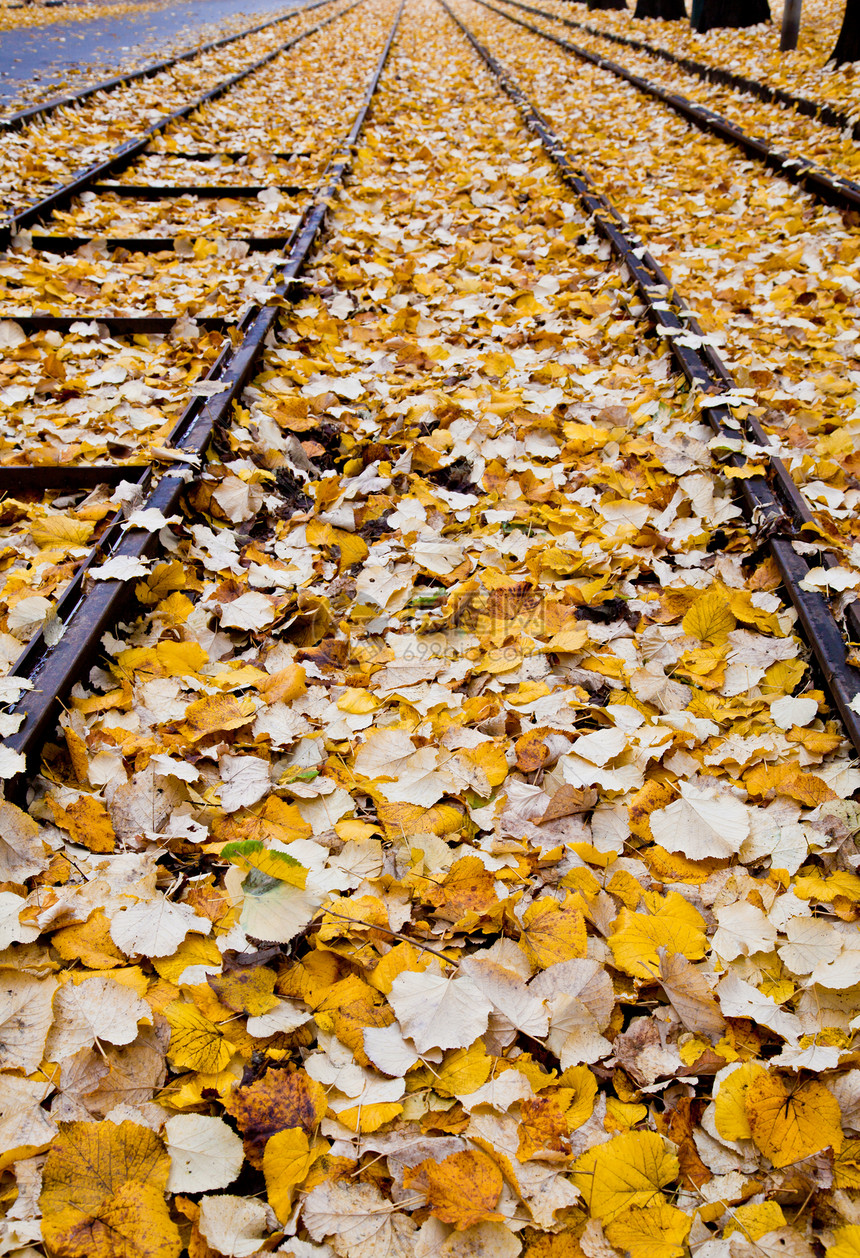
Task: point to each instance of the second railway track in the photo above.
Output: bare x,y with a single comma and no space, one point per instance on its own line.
119,366
801,151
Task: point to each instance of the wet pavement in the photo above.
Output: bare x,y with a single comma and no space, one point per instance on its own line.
41,61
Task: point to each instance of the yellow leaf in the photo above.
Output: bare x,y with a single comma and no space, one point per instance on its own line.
284,686
463,1071
626,1172
623,1115
352,831
403,956
543,1130
846,1242
658,1231
103,1194
88,822
568,640
756,1220
250,989
815,886
709,619
672,924
367,1118
790,780
251,855
60,530
489,757
89,943
164,580
730,1102
194,950
463,1189
846,1166
583,1083
195,1042
287,1158
214,714
168,659
790,1119
353,549
357,701
552,932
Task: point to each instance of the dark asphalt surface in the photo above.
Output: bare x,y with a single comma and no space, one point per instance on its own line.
41,61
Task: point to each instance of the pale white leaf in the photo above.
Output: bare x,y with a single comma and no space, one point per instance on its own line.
99,1008
235,1226
11,928
743,930
389,1051
251,611
701,824
789,711
244,781
739,999
120,568
204,1153
438,1011
155,928
508,995
287,1016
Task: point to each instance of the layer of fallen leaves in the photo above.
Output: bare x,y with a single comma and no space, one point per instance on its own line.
752,51
60,76
770,274
41,156
14,17
788,132
86,396
456,856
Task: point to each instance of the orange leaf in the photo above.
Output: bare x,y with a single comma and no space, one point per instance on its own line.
552,932
463,1189
88,822
277,1101
103,1194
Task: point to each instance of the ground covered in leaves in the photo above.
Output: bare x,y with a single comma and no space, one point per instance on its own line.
457,855
753,51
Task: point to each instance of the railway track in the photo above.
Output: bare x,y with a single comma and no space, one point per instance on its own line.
440,619
738,317
822,111
36,153
772,501
51,669
827,186
22,117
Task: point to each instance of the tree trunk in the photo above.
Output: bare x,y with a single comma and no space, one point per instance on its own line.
607,4
790,26
668,10
848,44
711,13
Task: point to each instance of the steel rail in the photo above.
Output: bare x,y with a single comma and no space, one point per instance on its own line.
86,614
827,115
125,153
844,194
20,119
774,511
